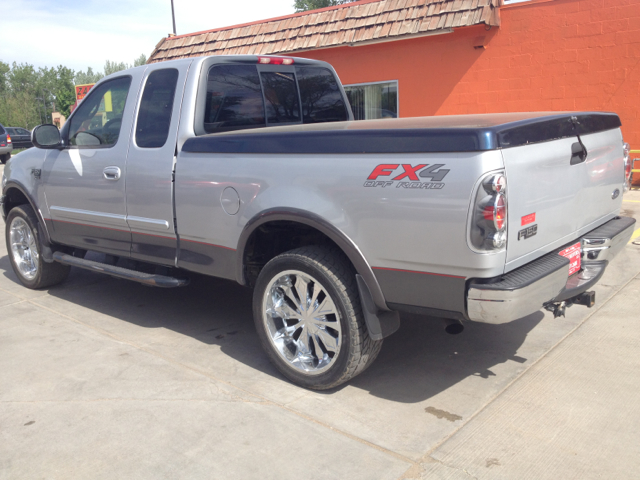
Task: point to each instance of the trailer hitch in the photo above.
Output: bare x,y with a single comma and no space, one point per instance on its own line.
587,299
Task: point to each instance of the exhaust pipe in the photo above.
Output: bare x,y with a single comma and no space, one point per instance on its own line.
453,327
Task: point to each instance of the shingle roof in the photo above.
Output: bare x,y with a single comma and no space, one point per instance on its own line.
349,24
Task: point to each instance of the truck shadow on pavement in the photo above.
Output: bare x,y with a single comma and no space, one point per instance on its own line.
416,363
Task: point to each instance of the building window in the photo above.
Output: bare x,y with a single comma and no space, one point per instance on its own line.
373,100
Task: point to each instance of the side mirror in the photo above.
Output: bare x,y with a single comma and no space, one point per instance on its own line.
46,136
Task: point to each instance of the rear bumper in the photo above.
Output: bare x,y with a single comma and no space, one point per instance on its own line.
6,149
524,291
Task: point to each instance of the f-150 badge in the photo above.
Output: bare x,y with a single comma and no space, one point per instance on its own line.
527,232
410,176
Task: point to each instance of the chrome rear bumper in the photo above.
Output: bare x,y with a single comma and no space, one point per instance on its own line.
524,291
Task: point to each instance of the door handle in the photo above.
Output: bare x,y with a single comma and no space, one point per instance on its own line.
111,173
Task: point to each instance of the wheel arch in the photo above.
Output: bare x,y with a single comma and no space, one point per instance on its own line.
311,222
15,194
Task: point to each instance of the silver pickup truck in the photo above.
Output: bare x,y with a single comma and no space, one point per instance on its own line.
251,168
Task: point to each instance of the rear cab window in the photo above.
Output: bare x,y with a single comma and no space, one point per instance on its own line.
240,96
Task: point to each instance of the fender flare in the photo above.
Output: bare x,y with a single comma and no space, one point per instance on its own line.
304,217
46,239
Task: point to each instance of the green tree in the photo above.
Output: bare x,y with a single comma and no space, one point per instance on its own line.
24,108
305,5
85,78
141,60
4,70
113,67
64,90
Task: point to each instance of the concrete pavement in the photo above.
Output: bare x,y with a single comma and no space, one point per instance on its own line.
101,378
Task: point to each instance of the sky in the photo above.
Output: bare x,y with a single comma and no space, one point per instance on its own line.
81,34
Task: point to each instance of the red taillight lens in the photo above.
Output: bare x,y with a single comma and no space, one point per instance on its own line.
496,212
488,212
275,60
500,217
628,166
8,139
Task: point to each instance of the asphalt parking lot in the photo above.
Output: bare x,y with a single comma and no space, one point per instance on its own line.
103,378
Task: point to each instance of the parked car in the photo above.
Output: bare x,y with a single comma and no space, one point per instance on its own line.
6,145
20,137
252,169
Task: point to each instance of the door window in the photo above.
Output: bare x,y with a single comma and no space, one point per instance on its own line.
321,97
234,98
98,118
154,117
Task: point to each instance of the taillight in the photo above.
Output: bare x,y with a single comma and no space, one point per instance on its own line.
275,60
497,212
488,229
8,138
628,166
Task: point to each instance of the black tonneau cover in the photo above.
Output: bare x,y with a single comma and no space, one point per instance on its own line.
455,133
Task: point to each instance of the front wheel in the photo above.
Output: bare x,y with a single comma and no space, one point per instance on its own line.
309,319
24,247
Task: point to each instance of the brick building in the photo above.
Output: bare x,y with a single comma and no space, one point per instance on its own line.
443,57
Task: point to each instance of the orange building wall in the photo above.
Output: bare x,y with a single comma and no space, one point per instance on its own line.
550,55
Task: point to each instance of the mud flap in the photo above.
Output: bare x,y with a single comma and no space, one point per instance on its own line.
380,323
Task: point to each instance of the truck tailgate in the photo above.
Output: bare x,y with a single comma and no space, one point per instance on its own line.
562,200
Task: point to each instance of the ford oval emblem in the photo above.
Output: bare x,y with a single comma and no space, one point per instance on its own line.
615,194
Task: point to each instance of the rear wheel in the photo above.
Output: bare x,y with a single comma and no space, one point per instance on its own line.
5,158
23,244
309,318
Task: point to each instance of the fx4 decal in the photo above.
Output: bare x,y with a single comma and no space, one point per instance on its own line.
410,176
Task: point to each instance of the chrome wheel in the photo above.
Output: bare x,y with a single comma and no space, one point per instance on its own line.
302,322
23,248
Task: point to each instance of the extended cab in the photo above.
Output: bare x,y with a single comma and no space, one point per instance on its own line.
252,169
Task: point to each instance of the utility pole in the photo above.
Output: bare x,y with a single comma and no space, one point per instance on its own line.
39,110
173,17
45,107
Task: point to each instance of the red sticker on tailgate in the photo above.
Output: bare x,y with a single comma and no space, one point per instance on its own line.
527,219
573,253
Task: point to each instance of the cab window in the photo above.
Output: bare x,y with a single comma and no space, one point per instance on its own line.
281,97
154,117
321,97
241,96
98,118
234,98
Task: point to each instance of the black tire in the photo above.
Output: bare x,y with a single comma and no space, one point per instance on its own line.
5,158
336,276
47,274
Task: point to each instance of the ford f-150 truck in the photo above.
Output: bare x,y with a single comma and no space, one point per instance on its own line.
251,168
